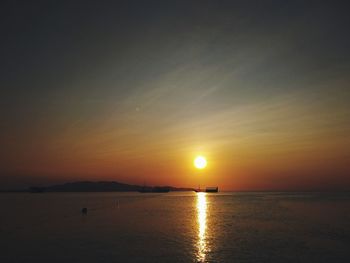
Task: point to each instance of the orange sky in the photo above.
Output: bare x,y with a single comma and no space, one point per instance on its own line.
271,146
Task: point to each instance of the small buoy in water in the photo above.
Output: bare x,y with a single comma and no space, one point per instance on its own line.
84,211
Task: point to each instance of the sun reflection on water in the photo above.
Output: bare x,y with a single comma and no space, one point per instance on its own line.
202,226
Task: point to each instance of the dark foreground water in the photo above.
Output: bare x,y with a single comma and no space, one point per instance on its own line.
175,227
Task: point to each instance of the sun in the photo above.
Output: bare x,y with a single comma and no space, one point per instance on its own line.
200,162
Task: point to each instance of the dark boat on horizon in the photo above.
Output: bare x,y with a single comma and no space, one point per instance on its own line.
212,189
207,190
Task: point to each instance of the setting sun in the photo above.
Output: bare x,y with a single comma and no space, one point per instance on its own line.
200,162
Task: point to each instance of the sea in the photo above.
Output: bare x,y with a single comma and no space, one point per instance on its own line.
175,227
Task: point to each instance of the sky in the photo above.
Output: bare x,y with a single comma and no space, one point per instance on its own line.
132,91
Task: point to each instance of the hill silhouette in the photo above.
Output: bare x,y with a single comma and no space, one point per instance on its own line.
102,186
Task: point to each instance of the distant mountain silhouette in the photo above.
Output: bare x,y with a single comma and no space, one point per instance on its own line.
103,186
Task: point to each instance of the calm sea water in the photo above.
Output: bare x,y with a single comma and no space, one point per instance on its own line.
175,227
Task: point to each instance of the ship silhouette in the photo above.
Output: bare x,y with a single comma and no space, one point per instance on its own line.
207,190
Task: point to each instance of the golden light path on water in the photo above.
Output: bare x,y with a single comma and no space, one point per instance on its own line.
202,226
